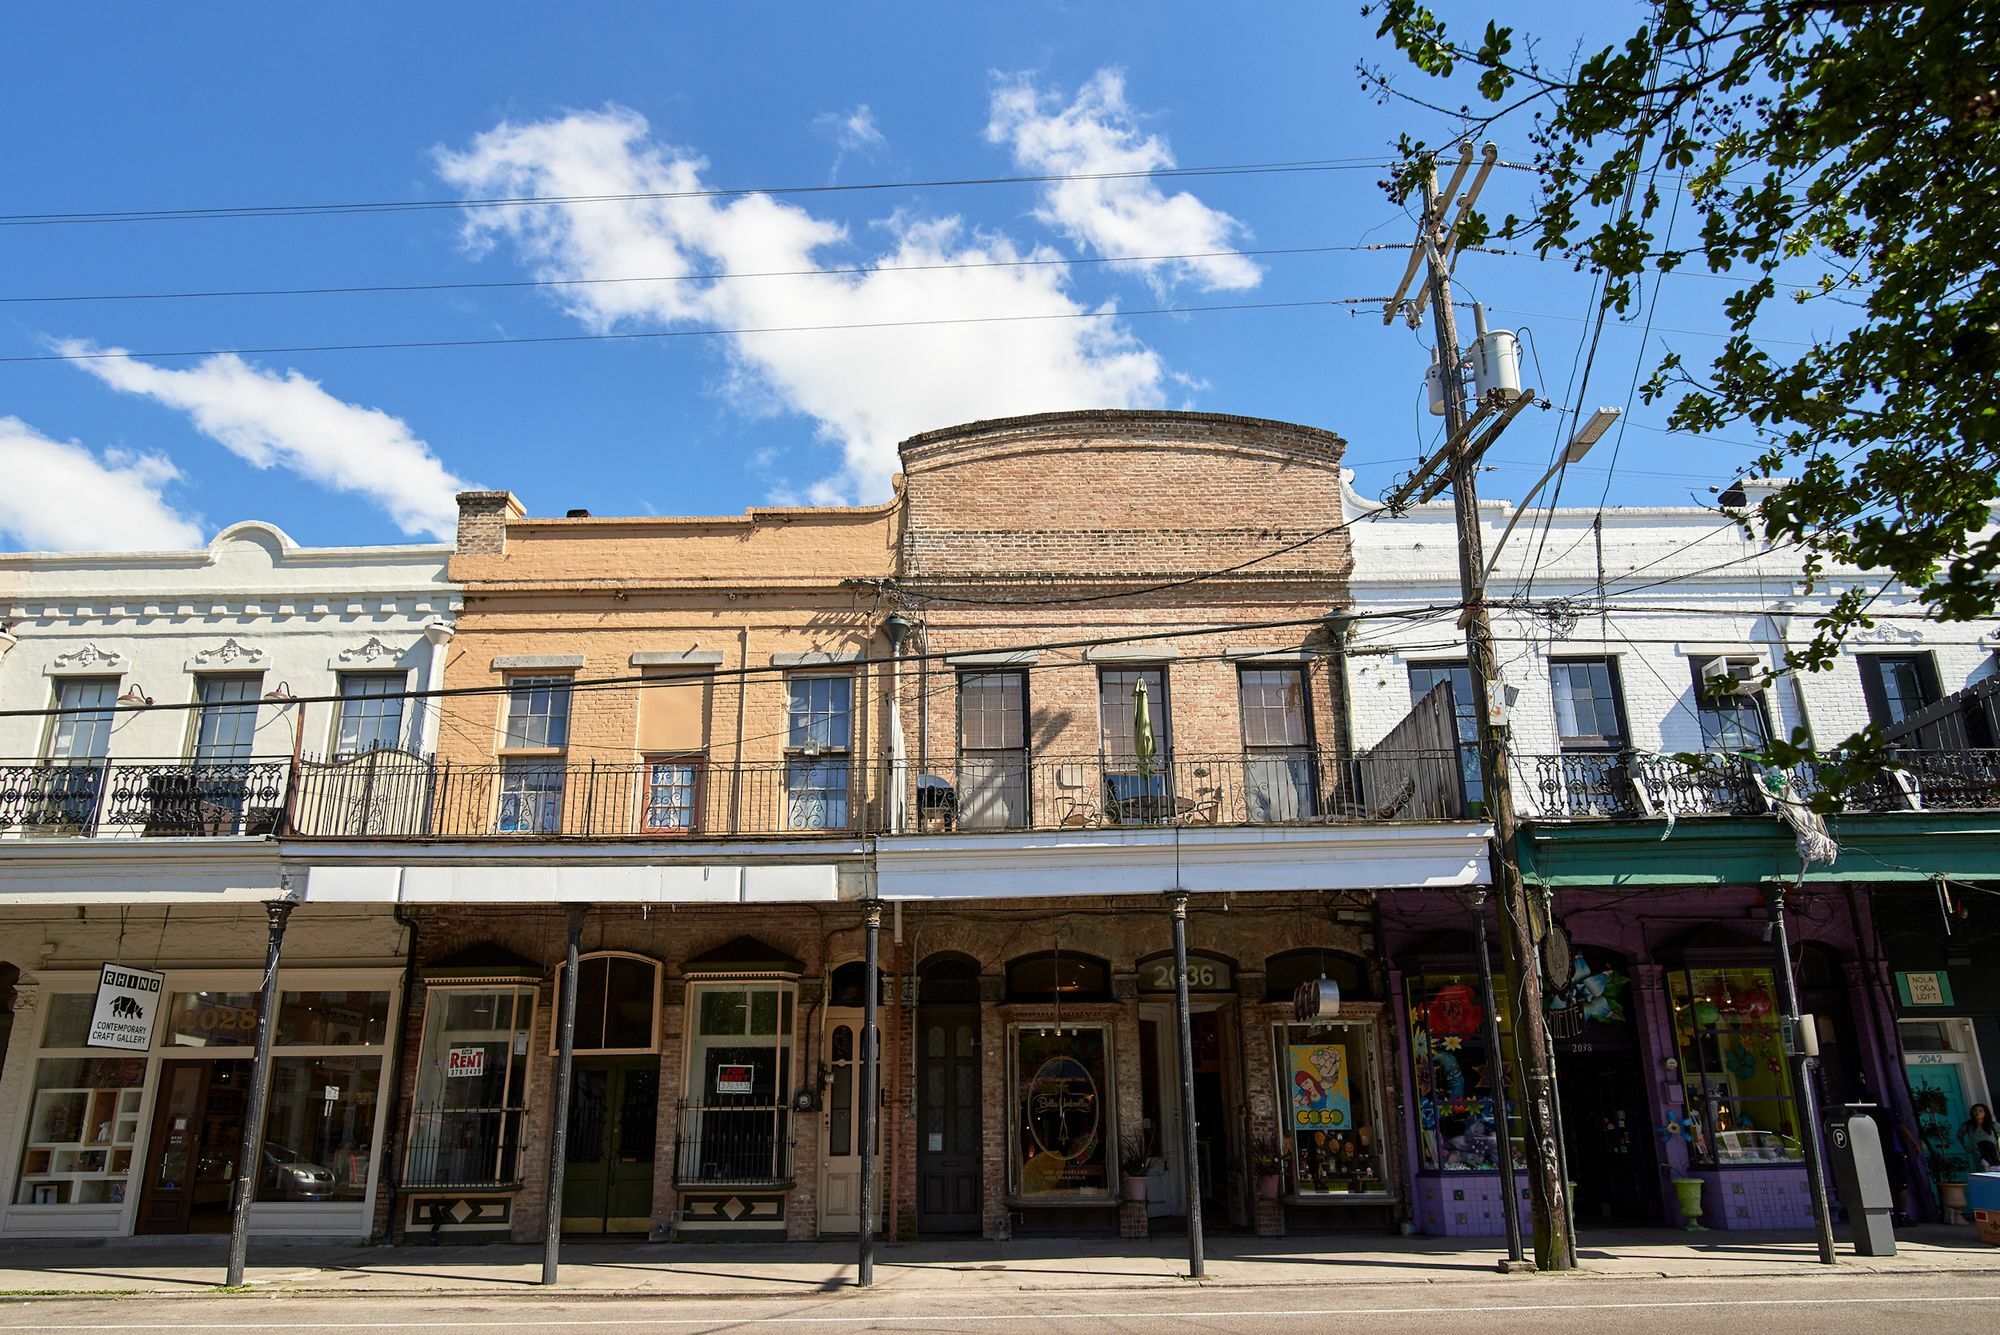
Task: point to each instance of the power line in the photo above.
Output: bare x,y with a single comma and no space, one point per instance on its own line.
630,335
530,201
495,284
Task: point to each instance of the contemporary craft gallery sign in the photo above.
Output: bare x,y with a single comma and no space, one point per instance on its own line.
128,1004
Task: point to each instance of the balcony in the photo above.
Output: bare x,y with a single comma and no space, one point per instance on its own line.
111,799
1638,784
393,795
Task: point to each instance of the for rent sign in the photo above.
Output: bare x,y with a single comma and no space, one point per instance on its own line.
128,1003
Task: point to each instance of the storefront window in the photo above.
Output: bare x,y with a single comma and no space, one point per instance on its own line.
1327,1087
465,1127
305,1019
319,1132
736,1123
1735,1078
1454,1074
83,1121
1061,1111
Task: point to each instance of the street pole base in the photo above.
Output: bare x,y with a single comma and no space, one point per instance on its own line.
1507,1267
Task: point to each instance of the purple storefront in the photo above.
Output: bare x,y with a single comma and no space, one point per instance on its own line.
1669,1054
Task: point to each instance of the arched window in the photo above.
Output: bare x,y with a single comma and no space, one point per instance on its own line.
948,979
617,1003
848,986
1062,973
1284,972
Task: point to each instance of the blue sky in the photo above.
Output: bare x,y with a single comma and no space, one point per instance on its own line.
182,108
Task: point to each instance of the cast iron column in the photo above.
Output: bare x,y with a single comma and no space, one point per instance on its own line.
1802,1090
1510,1200
559,1127
276,911
871,1043
1190,1133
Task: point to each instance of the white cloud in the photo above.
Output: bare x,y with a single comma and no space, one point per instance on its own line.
852,132
866,389
1098,133
60,496
273,420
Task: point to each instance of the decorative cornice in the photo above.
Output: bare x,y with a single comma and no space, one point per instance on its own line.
371,651
229,653
87,657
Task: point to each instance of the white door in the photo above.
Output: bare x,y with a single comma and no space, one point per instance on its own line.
840,1158
1166,1184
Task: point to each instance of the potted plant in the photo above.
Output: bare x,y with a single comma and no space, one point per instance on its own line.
1948,1171
1265,1164
1135,1160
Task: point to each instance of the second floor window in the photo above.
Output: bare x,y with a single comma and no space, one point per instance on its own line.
225,722
85,735
993,746
371,712
537,714
1897,686
1589,713
1424,678
819,729
1730,720
1278,758
1133,783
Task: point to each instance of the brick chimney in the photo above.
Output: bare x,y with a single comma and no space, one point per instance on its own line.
482,521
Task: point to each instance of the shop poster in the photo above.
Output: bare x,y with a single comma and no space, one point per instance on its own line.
1319,1087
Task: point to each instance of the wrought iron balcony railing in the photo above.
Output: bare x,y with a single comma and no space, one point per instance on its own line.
393,795
141,798
1639,783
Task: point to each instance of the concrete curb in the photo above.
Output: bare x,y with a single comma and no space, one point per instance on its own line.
532,1292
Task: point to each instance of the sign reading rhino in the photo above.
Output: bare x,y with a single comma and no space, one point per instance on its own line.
127,1004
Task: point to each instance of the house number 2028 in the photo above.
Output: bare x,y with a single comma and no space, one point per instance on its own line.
1203,976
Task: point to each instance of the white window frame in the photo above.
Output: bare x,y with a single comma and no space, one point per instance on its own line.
343,1219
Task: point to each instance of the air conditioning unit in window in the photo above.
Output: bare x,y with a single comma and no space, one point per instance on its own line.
1732,674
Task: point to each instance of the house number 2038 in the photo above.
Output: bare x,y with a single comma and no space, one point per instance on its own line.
1203,976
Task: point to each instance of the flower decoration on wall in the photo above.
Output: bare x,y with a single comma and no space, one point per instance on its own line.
1677,1128
1454,1010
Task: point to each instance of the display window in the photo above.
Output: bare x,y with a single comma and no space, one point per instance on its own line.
617,1004
93,1134
1454,1072
1062,1111
736,1120
472,1087
1329,1093
1735,1079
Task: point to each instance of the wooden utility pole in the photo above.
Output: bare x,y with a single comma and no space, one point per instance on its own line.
1533,1065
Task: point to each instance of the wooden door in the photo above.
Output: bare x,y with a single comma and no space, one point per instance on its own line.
173,1150
197,1140
949,1119
840,1185
613,1127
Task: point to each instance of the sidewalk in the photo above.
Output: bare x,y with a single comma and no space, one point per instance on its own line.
714,1270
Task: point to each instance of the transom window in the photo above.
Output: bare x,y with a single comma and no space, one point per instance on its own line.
371,712
617,1003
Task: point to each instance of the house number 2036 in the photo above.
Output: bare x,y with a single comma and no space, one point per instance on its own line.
1203,976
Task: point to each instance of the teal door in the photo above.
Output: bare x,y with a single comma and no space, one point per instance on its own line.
613,1121
1937,1093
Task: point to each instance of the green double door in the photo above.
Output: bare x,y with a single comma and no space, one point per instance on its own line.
614,1110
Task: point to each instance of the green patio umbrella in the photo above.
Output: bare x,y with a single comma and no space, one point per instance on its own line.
1144,745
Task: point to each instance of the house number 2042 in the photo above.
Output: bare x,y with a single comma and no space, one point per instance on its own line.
1203,976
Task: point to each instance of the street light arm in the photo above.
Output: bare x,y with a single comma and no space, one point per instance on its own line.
1508,532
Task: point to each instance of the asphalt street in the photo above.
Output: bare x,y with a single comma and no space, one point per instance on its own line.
1941,1303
